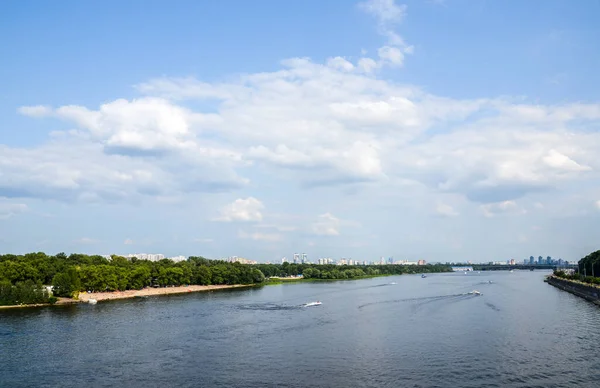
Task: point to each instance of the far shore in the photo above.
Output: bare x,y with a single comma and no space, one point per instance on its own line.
85,297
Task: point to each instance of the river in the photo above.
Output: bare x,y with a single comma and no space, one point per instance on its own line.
418,332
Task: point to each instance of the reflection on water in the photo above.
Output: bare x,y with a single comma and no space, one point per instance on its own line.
420,332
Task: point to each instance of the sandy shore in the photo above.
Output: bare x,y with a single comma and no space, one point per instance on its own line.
84,297
100,296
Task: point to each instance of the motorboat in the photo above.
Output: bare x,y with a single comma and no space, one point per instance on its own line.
475,292
317,303
423,276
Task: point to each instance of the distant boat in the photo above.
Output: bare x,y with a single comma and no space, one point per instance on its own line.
393,283
512,270
475,292
317,303
92,301
423,276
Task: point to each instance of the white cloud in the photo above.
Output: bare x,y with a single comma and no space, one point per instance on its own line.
144,125
327,225
35,111
385,11
128,241
446,210
259,236
9,209
502,208
308,124
248,209
388,14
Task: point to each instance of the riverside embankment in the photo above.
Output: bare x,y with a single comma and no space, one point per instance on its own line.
583,290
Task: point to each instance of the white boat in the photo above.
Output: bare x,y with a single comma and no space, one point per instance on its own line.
92,301
475,292
317,303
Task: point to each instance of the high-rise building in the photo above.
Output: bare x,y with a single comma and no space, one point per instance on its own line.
304,258
540,260
531,260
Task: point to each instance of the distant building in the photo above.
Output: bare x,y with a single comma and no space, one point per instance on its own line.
178,258
421,262
531,260
461,269
540,260
146,256
512,261
241,260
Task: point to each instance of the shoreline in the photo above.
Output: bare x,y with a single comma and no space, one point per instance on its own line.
84,297
589,292
128,294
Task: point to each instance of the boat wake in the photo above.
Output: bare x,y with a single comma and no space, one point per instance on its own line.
426,299
268,307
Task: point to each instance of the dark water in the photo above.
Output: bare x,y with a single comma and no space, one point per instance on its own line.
368,333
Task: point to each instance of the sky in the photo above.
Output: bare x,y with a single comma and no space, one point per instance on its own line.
443,130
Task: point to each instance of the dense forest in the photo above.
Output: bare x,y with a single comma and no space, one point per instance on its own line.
77,272
22,277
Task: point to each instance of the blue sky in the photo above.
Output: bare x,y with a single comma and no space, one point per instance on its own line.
442,130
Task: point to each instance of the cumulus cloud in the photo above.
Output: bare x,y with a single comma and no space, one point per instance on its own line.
388,14
249,209
309,123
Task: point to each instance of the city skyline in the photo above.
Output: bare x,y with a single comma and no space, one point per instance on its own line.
413,129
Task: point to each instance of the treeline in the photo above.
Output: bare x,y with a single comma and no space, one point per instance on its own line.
590,265
332,271
588,270
74,273
22,276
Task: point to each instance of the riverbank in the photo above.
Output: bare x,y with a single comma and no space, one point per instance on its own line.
103,296
85,297
583,290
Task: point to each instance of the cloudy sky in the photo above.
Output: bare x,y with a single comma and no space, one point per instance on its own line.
442,130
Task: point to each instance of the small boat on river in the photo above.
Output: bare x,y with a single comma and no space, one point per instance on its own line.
317,303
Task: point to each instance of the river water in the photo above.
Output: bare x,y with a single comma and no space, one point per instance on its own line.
521,332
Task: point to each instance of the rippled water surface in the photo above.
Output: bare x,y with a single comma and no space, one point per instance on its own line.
368,333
